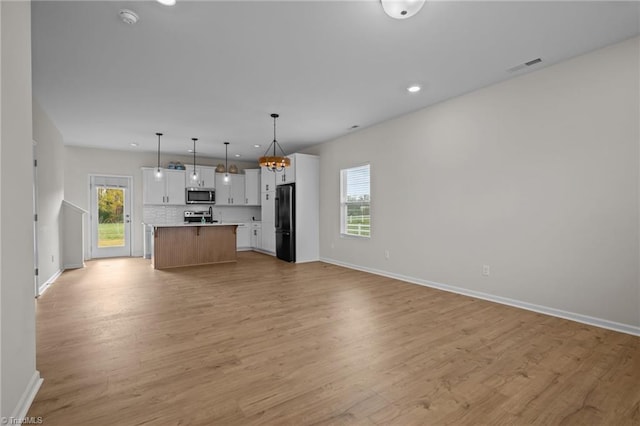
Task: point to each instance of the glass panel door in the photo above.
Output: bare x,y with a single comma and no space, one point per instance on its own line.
110,216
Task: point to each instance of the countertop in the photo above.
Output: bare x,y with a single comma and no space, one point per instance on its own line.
180,225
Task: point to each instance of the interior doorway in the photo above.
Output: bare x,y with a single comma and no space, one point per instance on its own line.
110,216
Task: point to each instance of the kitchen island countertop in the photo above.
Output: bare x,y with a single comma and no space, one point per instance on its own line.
183,224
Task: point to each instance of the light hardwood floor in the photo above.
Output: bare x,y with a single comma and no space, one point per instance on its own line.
262,341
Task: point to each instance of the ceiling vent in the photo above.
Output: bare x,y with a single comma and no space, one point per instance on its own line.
128,16
525,65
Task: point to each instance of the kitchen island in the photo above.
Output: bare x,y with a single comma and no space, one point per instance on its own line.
191,244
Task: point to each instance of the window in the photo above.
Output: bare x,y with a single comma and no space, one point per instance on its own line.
355,200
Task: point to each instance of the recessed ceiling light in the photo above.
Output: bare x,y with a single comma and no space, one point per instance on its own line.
257,145
190,150
237,155
133,144
355,126
167,2
414,89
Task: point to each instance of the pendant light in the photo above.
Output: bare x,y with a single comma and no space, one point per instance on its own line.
275,163
158,174
227,179
194,173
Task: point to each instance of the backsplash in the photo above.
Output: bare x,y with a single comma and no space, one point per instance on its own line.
175,214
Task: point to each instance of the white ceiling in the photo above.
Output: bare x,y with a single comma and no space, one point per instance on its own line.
216,70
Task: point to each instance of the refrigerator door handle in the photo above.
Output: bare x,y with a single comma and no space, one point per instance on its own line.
277,224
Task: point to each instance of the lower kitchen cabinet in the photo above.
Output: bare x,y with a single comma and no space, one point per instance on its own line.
268,240
268,230
256,235
243,239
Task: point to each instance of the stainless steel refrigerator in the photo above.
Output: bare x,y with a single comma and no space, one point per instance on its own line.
286,222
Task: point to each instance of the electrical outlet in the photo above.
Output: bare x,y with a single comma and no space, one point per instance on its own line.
386,254
486,270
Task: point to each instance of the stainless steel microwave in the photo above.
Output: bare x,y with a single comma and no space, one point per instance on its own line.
200,196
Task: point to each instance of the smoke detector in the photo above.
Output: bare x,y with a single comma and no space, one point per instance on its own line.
128,16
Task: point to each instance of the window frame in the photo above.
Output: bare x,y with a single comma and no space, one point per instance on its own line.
344,204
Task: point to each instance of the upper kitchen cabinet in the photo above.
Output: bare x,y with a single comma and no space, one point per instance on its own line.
168,191
288,174
232,193
206,177
267,180
252,187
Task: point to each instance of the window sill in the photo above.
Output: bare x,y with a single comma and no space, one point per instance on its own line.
355,237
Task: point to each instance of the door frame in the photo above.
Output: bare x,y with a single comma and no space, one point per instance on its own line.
35,221
92,235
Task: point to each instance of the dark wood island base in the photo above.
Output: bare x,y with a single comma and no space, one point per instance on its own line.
184,245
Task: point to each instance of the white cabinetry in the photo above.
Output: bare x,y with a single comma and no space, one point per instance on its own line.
267,180
206,177
231,194
243,239
268,206
307,184
252,187
267,202
288,174
305,173
168,191
268,242
256,235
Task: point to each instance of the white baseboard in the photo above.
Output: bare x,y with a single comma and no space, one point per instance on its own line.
585,319
21,410
270,253
74,266
45,285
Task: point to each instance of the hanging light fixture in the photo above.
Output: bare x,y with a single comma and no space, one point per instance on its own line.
194,174
274,162
402,9
227,179
158,174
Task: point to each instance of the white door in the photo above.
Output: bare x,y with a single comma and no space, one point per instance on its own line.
110,216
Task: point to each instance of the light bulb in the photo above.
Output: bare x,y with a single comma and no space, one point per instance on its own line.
158,174
226,179
194,176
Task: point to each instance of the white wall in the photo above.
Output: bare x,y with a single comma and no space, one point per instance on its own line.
536,177
79,163
50,174
19,378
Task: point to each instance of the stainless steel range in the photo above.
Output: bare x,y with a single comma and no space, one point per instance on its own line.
203,216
